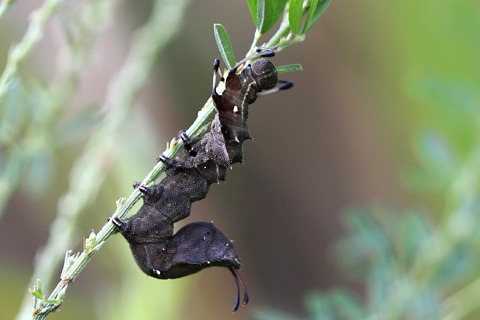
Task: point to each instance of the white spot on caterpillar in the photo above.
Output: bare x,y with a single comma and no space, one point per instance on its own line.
235,109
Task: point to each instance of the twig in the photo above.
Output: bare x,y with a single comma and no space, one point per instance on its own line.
10,177
18,155
89,170
31,37
4,5
75,57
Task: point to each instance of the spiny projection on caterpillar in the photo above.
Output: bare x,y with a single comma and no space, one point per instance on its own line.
199,245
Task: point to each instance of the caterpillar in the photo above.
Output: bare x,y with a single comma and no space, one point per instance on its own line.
156,249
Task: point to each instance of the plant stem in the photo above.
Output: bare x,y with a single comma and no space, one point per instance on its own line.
282,38
17,158
90,169
77,262
253,46
281,33
31,37
4,5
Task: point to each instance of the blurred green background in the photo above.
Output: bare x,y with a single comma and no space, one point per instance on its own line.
383,117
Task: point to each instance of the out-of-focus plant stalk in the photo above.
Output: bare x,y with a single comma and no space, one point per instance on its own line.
13,162
4,5
74,60
23,48
71,63
89,170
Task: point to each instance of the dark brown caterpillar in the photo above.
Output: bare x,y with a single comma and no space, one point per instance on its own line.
159,252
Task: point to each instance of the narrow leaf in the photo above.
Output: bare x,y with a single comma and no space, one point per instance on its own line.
36,294
224,45
317,13
268,12
279,7
311,11
289,68
266,15
252,4
260,14
295,15
39,287
53,301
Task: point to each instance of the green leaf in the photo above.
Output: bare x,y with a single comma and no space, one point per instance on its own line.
224,45
265,9
252,4
261,15
53,301
435,153
311,11
279,7
39,287
289,68
347,305
36,294
315,13
266,13
295,15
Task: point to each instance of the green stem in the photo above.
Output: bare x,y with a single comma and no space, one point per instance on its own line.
31,37
4,5
19,154
89,170
3,8
17,158
76,263
254,45
282,38
281,33
463,302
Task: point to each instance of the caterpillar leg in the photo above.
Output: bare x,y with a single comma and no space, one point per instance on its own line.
188,144
151,194
118,224
170,163
216,66
136,184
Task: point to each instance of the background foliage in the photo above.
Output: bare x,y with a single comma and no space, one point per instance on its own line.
383,117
